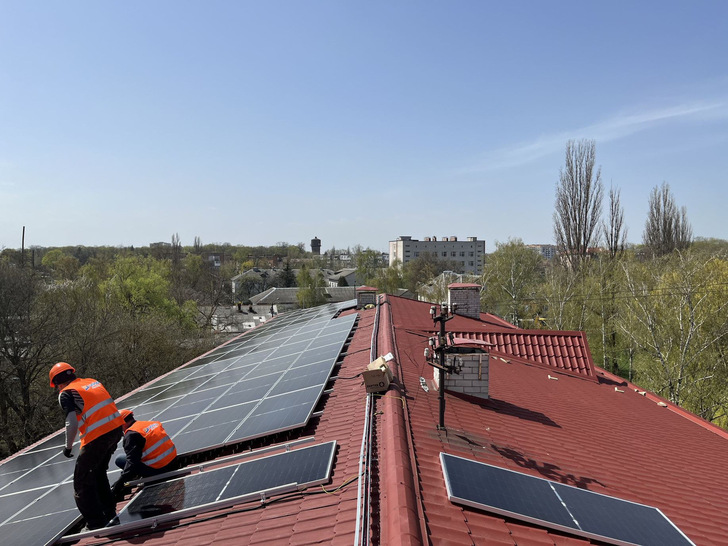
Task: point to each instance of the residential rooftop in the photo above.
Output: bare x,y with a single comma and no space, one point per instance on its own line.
550,413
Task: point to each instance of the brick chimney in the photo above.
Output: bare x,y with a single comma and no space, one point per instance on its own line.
473,360
365,295
467,298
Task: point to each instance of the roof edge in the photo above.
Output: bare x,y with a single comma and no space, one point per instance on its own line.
671,406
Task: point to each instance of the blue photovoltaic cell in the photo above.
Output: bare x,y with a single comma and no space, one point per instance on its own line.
10,504
37,532
50,473
602,515
556,505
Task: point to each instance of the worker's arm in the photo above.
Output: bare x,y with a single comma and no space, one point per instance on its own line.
133,448
70,407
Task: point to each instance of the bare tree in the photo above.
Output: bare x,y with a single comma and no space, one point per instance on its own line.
578,201
615,234
667,228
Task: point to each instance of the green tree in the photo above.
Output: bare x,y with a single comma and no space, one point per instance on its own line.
61,265
287,276
667,227
390,279
678,307
29,335
510,277
368,263
424,268
140,285
559,292
311,284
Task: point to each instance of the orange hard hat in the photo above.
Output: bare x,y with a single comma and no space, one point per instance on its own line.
125,413
59,368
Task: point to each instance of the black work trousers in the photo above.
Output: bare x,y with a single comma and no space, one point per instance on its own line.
91,484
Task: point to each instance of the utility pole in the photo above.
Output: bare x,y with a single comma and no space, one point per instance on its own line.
22,250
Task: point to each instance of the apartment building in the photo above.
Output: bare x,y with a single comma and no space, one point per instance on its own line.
469,252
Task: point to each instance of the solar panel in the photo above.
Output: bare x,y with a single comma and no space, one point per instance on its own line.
304,467
558,506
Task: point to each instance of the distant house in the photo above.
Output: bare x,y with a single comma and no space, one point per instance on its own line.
347,275
285,299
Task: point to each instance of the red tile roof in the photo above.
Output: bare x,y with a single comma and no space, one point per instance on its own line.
599,434
551,413
562,351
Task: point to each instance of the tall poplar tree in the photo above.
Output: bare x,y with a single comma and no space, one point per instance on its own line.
578,202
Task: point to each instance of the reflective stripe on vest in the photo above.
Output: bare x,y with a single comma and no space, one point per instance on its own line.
151,462
99,414
153,431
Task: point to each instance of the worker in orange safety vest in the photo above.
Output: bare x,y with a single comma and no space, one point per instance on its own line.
148,451
90,412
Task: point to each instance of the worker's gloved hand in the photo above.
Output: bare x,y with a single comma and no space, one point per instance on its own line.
67,452
118,490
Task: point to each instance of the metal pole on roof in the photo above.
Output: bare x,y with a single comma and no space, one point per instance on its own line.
441,347
441,355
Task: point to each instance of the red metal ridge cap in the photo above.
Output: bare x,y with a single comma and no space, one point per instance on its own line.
397,484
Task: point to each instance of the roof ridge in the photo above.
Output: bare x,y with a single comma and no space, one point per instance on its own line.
400,491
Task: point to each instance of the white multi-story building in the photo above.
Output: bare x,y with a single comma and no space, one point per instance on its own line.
547,251
469,252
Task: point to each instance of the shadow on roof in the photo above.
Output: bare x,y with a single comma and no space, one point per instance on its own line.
547,470
506,408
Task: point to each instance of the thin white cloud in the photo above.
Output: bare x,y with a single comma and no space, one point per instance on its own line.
617,127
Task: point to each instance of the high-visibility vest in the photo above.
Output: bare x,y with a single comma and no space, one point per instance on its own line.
159,450
99,414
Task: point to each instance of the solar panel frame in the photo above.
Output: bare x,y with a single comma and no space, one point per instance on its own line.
469,482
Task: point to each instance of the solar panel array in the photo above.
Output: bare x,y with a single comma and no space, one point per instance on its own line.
258,385
266,381
555,505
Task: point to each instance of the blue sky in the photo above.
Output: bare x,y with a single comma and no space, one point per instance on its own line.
123,123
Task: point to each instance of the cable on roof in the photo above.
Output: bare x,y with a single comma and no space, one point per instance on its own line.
346,482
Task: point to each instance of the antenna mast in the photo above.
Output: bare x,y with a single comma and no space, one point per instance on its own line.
439,346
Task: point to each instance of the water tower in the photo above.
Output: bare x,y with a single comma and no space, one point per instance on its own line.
316,246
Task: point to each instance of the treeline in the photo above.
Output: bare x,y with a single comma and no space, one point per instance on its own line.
121,315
